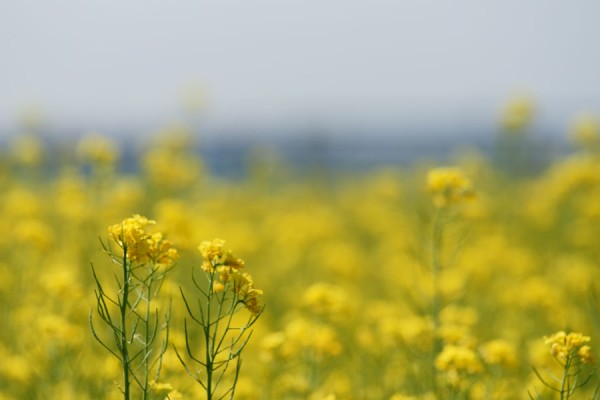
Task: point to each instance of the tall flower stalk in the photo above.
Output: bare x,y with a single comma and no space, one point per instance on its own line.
448,187
225,292
572,353
139,338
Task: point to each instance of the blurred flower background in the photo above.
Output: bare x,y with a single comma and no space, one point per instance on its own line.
414,187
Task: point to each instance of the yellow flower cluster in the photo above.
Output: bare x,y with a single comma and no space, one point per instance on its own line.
142,246
449,186
327,300
243,286
499,352
300,337
165,391
565,346
217,258
97,149
172,164
458,359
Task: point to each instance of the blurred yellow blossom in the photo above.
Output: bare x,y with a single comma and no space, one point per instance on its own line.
459,359
97,149
34,232
517,113
327,300
171,164
449,186
271,345
303,335
28,150
499,352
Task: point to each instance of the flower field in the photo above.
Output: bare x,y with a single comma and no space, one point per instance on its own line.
467,281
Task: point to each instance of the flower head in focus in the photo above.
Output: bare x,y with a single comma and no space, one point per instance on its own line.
217,259
141,245
564,346
215,256
243,286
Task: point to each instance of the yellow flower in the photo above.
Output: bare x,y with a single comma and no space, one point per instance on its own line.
244,287
212,251
16,368
517,113
564,346
499,352
166,390
301,335
449,186
218,287
130,234
97,149
162,251
174,395
34,232
585,354
161,388
170,165
216,256
271,345
142,246
272,341
458,359
328,300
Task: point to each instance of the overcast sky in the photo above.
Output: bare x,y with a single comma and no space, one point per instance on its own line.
261,62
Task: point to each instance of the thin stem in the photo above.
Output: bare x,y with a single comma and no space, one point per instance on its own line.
207,337
436,268
123,309
147,338
565,393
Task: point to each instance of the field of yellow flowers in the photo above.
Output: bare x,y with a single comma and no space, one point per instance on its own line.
430,282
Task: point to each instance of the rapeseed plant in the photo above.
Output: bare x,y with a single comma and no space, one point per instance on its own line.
513,145
226,291
144,259
573,354
449,188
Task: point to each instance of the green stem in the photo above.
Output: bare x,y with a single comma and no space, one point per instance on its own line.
436,268
123,309
147,338
207,337
564,395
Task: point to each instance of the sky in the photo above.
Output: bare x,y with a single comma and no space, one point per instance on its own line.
277,63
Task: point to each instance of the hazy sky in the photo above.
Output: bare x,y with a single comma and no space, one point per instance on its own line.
264,62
